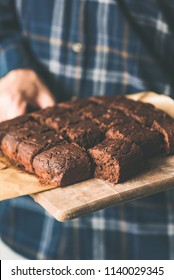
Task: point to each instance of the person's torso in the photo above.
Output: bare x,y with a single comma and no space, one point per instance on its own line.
93,48
96,47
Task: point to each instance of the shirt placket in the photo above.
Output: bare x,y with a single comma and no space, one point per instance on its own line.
78,49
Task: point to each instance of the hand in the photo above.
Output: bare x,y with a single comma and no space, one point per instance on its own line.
20,88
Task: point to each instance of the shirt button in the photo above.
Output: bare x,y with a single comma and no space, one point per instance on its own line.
77,47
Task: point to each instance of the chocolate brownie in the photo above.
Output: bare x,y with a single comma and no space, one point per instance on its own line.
12,139
103,116
151,142
111,117
66,105
76,104
14,123
92,111
149,116
63,165
49,113
116,160
141,112
86,133
40,141
2,134
167,130
144,113
3,131
60,122
104,100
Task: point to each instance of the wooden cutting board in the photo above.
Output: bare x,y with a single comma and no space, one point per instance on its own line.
14,182
73,201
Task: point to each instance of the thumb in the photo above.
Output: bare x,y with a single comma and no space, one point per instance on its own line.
44,97
17,110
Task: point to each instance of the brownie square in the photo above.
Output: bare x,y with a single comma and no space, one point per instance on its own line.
35,144
13,124
86,133
151,142
93,111
139,111
116,160
3,131
149,116
49,113
9,145
166,128
12,139
62,165
60,122
111,117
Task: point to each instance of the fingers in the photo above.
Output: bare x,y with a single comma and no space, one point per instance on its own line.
21,88
17,109
44,98
11,105
13,112
38,94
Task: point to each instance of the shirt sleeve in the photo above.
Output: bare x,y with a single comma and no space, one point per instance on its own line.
13,53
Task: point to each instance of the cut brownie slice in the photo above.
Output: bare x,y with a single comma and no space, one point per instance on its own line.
35,144
141,112
166,128
60,122
111,117
116,160
87,134
42,115
21,145
9,145
12,139
149,116
93,111
103,116
14,123
50,113
62,165
151,142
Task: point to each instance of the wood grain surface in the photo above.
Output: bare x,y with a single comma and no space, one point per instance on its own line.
15,182
70,202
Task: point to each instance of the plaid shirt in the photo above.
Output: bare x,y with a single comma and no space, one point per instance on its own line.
84,47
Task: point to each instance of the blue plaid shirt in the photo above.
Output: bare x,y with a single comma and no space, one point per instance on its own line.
83,48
